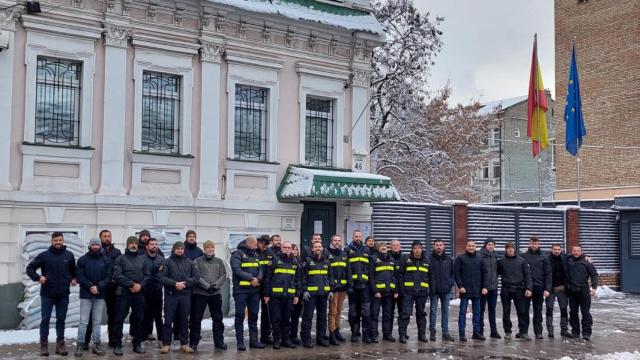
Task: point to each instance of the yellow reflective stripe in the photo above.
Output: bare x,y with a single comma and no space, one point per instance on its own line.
423,269
339,263
250,264
312,288
291,291
343,282
355,276
381,286
359,258
284,271
384,268
318,272
326,288
408,283
423,284
277,290
244,283
393,286
263,262
411,268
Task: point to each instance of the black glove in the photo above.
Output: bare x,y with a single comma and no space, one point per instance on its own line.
212,289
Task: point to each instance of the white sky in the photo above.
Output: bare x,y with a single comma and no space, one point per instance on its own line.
487,47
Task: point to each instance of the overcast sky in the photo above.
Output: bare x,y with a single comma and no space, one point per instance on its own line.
487,46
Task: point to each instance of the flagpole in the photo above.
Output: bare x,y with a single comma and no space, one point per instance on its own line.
537,96
578,152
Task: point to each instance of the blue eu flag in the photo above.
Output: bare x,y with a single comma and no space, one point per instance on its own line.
573,110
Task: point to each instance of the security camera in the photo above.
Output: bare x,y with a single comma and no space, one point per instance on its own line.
4,40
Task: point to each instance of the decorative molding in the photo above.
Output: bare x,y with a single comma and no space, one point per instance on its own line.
152,12
111,6
8,18
361,78
356,51
288,39
312,43
77,3
333,46
266,34
178,17
219,22
234,57
242,29
115,35
53,214
126,6
211,51
303,68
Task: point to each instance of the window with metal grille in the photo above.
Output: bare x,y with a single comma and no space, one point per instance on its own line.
634,240
161,95
319,132
250,126
58,96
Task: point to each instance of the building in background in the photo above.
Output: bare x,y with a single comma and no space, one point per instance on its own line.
608,55
510,173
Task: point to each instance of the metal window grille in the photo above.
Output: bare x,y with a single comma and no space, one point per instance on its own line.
161,98
319,132
250,132
58,96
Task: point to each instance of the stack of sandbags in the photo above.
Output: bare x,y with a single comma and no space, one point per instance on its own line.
34,244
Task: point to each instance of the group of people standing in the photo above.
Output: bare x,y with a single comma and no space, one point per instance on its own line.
281,283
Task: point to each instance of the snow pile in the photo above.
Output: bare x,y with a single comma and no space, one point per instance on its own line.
34,244
605,292
618,356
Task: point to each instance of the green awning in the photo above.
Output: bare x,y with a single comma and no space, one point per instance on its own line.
306,183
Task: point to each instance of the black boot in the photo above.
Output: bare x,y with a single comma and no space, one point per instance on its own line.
403,337
218,341
432,335
307,343
355,333
495,335
388,338
253,341
240,344
288,344
97,349
276,343
61,349
321,341
422,338
478,336
117,350
339,336
79,348
333,340
447,337
138,349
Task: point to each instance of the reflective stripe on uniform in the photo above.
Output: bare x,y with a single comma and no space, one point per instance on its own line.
326,288
364,276
250,264
343,282
384,268
411,268
359,258
277,290
410,284
291,291
244,283
339,263
384,286
312,288
423,284
423,269
318,272
284,271
263,262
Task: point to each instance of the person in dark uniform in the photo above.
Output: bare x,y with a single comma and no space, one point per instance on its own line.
213,274
191,249
516,285
338,259
581,273
276,244
490,300
469,274
383,282
559,282
57,271
265,257
441,281
413,279
152,291
282,289
131,275
542,278
358,286
178,274
398,256
247,276
111,253
370,243
296,310
317,287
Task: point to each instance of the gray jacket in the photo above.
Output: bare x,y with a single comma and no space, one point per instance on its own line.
212,273
490,268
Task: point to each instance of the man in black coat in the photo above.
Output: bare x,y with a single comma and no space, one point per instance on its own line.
152,291
57,271
541,276
558,260
581,272
469,274
490,300
441,280
111,253
516,285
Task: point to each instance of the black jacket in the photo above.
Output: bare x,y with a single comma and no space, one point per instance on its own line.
128,269
357,266
192,251
317,275
245,266
559,269
413,275
383,272
339,261
441,278
176,269
469,273
490,262
515,273
153,263
580,271
282,278
540,268
93,270
58,266
111,252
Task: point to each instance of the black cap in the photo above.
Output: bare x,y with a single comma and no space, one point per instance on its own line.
416,242
144,232
265,239
489,240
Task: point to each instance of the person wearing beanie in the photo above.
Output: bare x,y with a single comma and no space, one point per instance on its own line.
143,238
541,275
178,274
516,285
490,262
111,253
207,292
94,274
413,282
152,291
358,286
131,274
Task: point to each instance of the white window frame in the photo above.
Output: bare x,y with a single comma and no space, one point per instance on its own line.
492,170
63,47
493,141
171,63
482,172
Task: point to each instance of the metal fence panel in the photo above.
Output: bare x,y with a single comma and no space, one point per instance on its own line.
498,224
600,239
405,222
548,225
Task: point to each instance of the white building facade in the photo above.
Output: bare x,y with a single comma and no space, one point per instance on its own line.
212,115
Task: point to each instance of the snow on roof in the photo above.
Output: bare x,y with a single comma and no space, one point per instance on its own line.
491,106
346,18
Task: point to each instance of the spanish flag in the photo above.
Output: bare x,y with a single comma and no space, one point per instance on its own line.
537,106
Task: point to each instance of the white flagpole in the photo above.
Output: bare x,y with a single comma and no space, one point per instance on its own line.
537,97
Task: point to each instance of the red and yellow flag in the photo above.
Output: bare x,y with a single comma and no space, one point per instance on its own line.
537,106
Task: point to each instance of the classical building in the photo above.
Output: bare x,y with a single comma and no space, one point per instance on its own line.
607,40
229,117
510,173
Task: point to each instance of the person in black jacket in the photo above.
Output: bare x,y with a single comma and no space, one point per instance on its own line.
94,274
581,272
384,286
559,262
541,276
358,286
296,311
111,253
490,262
57,271
516,285
398,256
282,290
247,276
265,257
413,279
441,281
178,274
131,275
338,259
191,249
316,286
469,273
152,291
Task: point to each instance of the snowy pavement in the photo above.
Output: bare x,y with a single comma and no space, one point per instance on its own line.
616,335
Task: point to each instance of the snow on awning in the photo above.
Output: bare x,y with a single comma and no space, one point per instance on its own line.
305,183
352,19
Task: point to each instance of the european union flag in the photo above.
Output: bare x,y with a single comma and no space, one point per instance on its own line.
573,110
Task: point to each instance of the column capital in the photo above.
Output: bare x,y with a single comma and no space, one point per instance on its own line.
211,51
361,77
116,35
8,18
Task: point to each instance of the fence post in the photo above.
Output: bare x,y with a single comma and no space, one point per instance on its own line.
573,227
460,224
